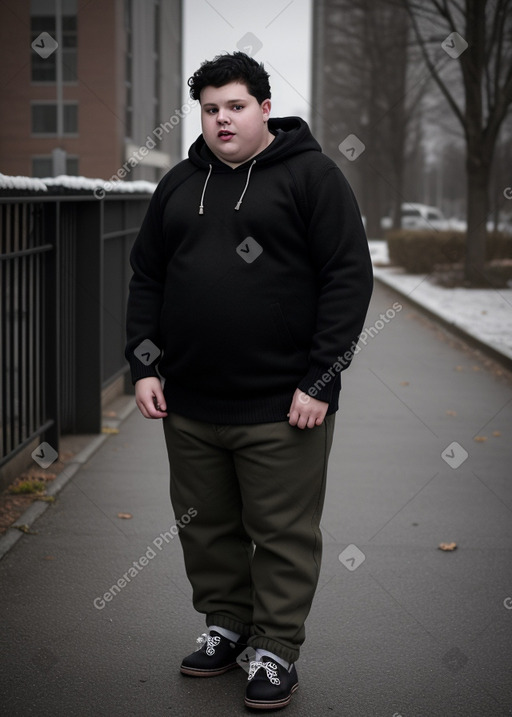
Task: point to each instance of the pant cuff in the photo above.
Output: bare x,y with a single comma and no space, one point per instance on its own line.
289,654
228,623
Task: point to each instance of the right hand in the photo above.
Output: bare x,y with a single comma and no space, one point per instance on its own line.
149,397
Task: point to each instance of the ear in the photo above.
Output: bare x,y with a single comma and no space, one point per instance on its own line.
265,109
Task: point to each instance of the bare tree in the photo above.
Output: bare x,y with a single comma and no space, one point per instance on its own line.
362,86
476,37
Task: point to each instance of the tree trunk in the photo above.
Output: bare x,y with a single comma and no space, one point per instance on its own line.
396,216
478,175
372,201
398,112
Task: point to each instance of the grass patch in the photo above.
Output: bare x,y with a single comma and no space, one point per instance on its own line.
25,487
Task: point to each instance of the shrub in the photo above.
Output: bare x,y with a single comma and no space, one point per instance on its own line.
420,251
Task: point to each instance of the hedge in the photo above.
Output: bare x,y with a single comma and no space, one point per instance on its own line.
420,251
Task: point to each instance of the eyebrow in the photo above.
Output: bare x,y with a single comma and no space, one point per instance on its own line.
228,102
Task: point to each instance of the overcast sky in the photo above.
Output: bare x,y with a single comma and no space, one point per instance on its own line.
275,32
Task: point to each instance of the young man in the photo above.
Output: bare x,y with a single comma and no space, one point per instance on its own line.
252,277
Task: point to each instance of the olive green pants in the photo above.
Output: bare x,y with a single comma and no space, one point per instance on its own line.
253,550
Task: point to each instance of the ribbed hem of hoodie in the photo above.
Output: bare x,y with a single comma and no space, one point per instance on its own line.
321,384
230,411
139,370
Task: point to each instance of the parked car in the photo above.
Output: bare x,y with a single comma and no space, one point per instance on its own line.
418,216
422,216
504,225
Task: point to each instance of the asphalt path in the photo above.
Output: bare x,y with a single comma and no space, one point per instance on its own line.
399,628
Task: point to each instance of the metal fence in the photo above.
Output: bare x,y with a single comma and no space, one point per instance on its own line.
64,274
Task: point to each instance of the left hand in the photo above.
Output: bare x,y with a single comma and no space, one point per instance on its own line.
306,411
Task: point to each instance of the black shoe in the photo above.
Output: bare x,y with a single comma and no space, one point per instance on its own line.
216,656
271,685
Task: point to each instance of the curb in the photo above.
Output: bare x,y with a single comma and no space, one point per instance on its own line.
459,332
34,511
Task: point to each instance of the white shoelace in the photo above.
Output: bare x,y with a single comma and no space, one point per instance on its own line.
212,643
269,667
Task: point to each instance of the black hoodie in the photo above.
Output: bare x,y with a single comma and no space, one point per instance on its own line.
251,281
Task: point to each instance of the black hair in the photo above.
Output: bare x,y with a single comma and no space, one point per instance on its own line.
235,67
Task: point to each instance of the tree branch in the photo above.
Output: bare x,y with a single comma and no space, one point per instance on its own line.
456,109
502,6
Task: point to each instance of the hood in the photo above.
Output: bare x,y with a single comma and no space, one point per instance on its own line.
292,136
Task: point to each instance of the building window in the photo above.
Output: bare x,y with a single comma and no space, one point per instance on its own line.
69,48
44,118
72,166
42,166
43,19
43,70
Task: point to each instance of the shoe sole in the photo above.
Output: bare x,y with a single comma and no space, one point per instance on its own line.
194,672
277,704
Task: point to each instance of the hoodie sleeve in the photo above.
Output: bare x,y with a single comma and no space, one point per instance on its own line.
146,290
341,259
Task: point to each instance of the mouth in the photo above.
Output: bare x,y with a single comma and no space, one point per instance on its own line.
225,134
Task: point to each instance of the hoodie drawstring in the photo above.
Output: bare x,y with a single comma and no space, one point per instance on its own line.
201,207
237,207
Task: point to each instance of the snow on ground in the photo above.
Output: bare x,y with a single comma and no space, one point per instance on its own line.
485,314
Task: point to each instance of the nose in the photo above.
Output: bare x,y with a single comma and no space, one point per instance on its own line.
222,116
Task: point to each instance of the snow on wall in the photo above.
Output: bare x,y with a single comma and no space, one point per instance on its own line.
99,186
24,183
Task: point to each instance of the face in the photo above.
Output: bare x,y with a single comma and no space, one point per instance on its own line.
234,124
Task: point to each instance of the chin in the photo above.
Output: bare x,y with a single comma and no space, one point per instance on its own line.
228,157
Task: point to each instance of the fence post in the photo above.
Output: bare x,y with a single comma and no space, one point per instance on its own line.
51,328
89,301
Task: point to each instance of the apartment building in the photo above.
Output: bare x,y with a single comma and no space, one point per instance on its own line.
90,88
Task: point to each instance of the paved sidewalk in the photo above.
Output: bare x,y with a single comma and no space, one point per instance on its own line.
398,627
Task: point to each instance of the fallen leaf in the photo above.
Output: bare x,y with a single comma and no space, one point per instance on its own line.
447,546
108,429
404,383
25,529
496,433
110,414
451,413
480,439
46,498
459,368
475,368
125,516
